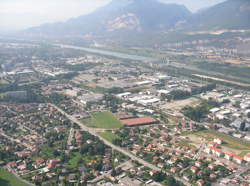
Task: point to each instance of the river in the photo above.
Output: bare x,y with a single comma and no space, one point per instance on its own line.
110,53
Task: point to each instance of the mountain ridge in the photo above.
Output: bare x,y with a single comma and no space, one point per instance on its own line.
122,19
150,15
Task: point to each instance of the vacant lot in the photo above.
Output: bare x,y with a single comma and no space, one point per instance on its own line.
7,179
231,144
175,107
104,120
108,136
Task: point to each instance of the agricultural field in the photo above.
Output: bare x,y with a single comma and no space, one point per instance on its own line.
6,179
104,120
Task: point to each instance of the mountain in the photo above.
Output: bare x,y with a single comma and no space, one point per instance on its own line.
231,14
120,16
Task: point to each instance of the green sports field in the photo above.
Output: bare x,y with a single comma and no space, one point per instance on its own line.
104,120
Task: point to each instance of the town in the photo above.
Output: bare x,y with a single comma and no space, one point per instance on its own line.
77,118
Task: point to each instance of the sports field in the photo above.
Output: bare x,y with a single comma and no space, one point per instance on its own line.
104,120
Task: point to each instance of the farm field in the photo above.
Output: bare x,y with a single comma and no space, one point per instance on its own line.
6,179
104,120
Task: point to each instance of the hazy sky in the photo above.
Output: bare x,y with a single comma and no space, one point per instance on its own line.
20,14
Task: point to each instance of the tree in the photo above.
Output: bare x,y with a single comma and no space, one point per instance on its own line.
170,181
84,148
158,176
242,126
248,114
117,142
113,172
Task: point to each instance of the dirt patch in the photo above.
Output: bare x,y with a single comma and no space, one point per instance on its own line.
178,105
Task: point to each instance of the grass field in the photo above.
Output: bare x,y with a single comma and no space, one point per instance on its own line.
230,142
186,143
108,136
7,179
104,120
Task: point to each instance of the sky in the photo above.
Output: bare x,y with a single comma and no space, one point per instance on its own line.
21,14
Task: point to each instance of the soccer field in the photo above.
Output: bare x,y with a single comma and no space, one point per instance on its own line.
104,120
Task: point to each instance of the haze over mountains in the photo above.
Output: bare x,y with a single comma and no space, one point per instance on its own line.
152,16
145,23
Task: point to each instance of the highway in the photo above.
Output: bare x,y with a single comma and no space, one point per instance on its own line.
114,147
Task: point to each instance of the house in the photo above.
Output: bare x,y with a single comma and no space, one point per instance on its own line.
21,167
208,150
200,182
82,116
213,144
238,159
198,163
247,157
200,173
72,178
173,170
38,163
50,175
217,151
52,163
160,165
194,169
229,156
218,140
211,166
153,172
213,176
12,164
232,167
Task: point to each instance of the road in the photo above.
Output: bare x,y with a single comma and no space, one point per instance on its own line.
18,177
70,138
114,147
235,175
14,140
109,172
